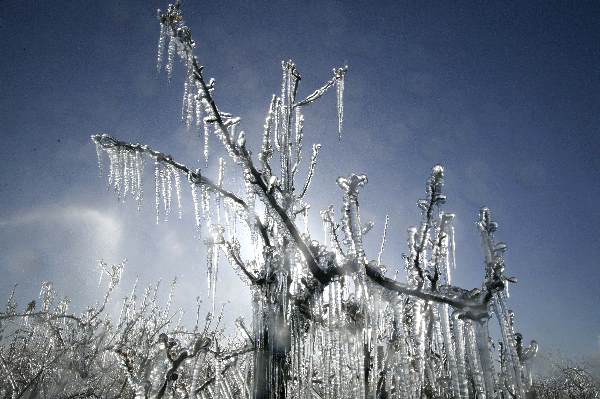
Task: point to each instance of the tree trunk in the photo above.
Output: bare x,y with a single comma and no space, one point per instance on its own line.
270,361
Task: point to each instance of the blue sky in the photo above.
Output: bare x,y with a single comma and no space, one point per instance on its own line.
505,95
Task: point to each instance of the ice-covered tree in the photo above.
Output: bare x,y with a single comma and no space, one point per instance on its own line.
327,319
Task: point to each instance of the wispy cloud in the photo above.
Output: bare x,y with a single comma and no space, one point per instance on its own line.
72,218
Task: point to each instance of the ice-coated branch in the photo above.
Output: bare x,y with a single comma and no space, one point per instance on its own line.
331,229
338,74
181,36
107,142
418,243
327,321
495,279
311,169
351,216
266,151
234,258
241,155
469,303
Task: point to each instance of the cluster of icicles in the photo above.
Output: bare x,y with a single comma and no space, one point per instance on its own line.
412,347
220,215
196,111
355,339
349,338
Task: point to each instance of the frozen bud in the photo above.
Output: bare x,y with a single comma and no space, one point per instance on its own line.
241,141
440,199
273,182
423,204
531,351
484,215
438,172
500,247
352,183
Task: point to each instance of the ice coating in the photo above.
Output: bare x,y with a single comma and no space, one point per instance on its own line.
327,320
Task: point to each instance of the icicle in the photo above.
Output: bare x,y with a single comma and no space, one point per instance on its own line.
460,357
169,178
184,102
126,172
221,173
450,351
339,85
198,109
118,172
210,268
111,166
139,168
161,46
483,348
474,360
99,155
163,190
383,237
453,250
170,56
177,179
189,120
132,174
206,136
157,183
196,204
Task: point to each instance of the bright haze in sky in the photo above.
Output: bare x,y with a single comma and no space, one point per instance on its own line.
506,96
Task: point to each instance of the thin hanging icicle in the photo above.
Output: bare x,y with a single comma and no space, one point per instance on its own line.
139,168
339,85
198,109
163,191
477,373
161,47
220,176
99,155
221,173
453,249
206,136
131,174
213,264
197,205
157,183
189,120
170,56
184,102
126,173
383,237
177,179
